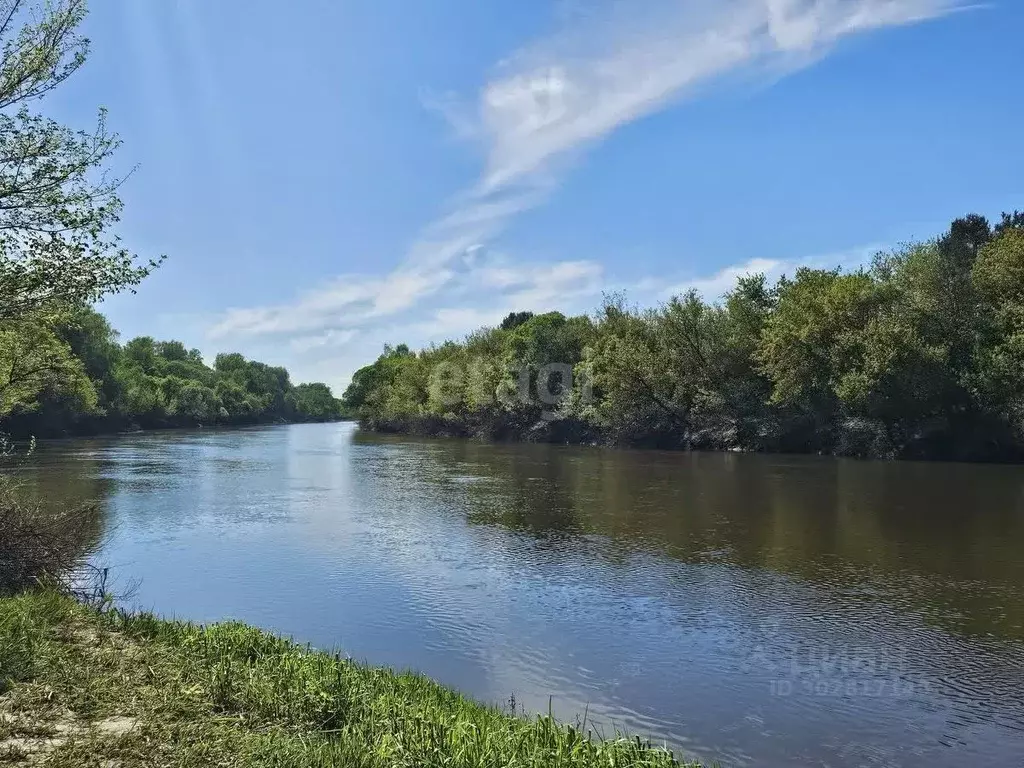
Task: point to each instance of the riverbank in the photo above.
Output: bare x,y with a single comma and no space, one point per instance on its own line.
80,688
13,430
849,437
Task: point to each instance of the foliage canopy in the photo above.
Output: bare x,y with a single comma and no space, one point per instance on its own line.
920,354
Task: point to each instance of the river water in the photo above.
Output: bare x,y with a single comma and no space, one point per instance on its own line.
754,610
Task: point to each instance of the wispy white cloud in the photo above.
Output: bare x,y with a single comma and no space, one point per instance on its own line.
628,60
713,287
486,295
609,65
330,339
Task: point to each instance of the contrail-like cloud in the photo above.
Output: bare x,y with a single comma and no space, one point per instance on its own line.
612,63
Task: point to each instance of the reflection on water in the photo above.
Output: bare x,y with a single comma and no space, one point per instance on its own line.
42,493
750,609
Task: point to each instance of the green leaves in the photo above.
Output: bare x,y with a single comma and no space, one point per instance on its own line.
195,403
315,402
998,278
998,273
57,210
57,203
72,375
34,361
920,354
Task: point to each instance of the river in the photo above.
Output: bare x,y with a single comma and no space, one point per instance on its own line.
754,610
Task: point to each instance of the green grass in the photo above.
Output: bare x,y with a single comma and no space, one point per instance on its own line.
83,689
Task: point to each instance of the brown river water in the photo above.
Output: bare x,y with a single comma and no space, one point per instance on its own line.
746,609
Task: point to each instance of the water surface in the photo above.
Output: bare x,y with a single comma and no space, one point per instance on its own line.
755,610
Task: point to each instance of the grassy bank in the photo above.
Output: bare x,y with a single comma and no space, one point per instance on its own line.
82,689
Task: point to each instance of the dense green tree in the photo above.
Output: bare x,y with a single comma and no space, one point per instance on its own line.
315,402
998,277
94,342
370,386
231,364
238,404
814,338
141,352
194,403
744,386
920,354
171,351
635,391
36,363
75,378
142,401
89,339
539,355
514,320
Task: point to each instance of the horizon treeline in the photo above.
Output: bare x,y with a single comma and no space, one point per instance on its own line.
918,355
76,378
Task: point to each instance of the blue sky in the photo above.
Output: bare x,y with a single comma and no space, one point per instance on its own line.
326,176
